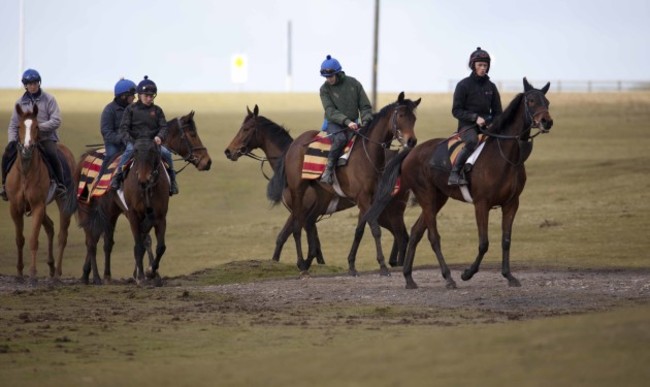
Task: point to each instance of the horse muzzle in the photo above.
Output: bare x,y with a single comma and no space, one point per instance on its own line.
233,156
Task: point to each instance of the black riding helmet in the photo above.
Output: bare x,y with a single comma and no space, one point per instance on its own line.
147,86
479,56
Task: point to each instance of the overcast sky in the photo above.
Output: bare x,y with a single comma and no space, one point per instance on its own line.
188,45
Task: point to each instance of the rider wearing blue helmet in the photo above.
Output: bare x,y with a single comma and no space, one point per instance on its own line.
49,121
144,119
114,142
345,102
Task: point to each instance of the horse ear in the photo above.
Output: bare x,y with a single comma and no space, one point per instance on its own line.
191,114
256,110
19,110
527,86
417,102
400,97
545,88
248,110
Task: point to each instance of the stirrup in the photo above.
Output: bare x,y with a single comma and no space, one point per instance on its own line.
327,177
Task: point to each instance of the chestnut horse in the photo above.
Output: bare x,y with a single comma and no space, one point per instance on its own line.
496,180
357,179
99,216
29,190
260,132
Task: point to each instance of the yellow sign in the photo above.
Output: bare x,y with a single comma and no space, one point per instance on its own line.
239,68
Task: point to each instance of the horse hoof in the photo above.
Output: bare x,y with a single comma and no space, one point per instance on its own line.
451,284
157,281
97,281
384,272
514,283
411,285
467,275
304,275
353,273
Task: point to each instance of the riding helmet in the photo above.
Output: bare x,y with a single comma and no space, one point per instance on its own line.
124,86
479,56
330,66
31,75
147,86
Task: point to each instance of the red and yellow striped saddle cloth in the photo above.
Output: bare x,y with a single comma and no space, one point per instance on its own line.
89,184
316,155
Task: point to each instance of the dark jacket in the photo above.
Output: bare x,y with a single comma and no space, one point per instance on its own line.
110,124
475,96
345,101
142,121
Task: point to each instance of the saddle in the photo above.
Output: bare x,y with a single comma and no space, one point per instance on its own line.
316,156
444,157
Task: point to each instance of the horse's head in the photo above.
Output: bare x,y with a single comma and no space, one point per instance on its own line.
402,121
183,139
536,106
146,157
27,131
246,139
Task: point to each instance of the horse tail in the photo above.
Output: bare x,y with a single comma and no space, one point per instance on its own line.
96,220
70,200
278,182
385,186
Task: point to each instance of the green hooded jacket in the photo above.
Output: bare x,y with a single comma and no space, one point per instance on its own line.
345,101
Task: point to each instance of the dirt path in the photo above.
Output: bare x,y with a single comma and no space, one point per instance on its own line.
487,296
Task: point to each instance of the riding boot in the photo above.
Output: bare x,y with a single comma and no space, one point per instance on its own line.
116,180
455,177
7,156
327,176
173,187
50,152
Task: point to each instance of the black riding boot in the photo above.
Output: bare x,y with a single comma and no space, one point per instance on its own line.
51,153
8,155
173,188
455,177
116,180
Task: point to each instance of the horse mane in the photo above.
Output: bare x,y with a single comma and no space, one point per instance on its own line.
376,117
277,133
508,115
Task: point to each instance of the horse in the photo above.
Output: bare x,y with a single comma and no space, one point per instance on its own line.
260,132
29,191
357,179
496,180
99,215
146,194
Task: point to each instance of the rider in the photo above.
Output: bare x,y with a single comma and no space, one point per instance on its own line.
344,101
144,119
49,121
476,104
114,142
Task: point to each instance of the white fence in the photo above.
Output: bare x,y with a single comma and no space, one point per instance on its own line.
559,86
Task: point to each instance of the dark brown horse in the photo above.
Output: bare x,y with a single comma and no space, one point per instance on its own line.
99,216
496,180
146,194
29,191
357,179
259,132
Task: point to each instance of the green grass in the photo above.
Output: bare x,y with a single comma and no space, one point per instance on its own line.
586,205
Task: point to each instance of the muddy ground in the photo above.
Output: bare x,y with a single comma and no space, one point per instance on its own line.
543,293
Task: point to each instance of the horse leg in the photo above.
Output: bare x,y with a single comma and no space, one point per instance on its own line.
434,240
508,216
317,249
282,237
417,231
48,225
91,259
109,242
64,225
298,223
482,212
152,271
38,217
19,225
138,249
352,256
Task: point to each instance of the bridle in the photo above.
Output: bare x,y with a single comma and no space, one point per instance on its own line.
185,141
250,153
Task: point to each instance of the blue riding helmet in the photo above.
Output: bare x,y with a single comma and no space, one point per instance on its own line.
124,86
30,76
330,66
147,86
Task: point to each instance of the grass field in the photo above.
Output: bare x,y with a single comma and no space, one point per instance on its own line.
586,205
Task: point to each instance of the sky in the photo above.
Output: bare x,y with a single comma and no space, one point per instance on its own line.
424,45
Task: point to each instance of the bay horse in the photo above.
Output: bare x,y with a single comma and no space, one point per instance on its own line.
29,191
98,217
146,194
357,179
260,132
496,180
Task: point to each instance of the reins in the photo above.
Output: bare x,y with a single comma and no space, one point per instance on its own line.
190,158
